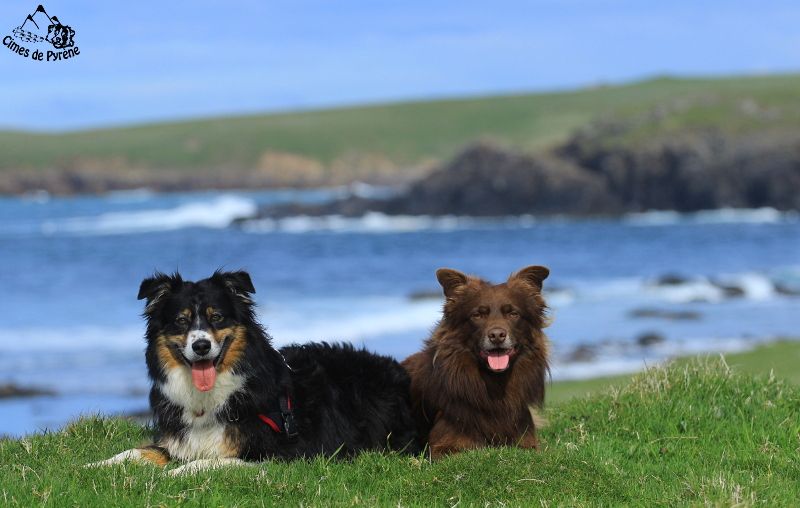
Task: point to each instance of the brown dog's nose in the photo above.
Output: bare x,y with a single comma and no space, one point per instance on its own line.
497,335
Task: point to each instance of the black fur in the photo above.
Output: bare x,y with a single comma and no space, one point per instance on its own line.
344,400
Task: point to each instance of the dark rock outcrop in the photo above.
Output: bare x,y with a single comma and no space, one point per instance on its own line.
650,339
585,177
671,315
588,176
10,390
696,171
487,181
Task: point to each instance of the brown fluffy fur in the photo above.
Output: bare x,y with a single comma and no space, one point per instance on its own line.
459,402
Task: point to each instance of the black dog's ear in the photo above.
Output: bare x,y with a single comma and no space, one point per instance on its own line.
238,283
155,287
450,280
533,275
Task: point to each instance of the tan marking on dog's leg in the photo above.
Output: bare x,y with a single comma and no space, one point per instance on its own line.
128,455
146,455
197,466
231,443
155,455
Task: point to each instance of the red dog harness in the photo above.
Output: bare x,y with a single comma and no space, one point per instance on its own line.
282,420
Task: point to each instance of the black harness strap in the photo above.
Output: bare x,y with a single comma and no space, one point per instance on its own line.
287,415
281,420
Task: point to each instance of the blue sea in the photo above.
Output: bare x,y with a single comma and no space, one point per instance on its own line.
70,269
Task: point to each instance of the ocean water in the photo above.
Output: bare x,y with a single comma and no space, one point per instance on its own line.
70,269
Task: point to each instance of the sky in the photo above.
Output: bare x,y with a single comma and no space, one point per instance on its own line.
148,61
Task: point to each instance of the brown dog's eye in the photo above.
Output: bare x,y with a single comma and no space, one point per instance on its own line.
216,318
513,314
475,315
182,321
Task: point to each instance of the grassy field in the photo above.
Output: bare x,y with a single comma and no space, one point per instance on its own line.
782,358
410,134
699,432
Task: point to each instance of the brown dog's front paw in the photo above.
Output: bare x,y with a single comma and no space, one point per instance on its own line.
445,439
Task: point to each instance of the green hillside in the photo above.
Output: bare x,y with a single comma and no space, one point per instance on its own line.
403,135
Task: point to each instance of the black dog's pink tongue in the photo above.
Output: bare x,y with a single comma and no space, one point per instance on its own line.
498,361
204,375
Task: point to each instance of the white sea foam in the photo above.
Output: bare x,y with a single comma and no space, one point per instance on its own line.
608,289
38,196
754,285
39,339
369,191
218,212
559,297
755,216
131,196
376,222
613,360
721,216
653,218
372,222
696,290
354,321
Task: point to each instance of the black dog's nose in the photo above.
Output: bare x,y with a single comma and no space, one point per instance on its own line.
497,335
202,346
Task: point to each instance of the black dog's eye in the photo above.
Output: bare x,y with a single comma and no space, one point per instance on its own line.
181,321
216,318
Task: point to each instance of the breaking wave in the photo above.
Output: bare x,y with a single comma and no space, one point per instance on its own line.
376,222
217,213
721,216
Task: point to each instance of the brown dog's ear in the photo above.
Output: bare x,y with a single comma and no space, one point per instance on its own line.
450,280
533,275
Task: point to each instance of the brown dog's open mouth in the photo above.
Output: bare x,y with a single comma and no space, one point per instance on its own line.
499,359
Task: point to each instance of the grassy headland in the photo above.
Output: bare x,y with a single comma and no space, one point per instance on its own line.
394,141
699,432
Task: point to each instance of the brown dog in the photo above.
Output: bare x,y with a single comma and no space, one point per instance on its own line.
482,371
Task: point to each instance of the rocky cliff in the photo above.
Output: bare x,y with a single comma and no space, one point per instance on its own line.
591,175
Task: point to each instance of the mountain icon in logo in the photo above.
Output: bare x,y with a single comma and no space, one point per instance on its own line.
41,27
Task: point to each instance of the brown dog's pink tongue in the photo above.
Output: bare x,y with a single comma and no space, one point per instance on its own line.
498,362
204,375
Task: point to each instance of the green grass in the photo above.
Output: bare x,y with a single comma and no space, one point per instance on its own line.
782,358
409,134
695,433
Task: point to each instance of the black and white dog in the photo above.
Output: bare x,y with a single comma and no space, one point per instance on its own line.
222,394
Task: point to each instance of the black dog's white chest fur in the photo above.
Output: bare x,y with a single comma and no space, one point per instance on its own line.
203,433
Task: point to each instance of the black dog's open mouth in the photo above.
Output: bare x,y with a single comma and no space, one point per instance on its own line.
498,359
204,372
